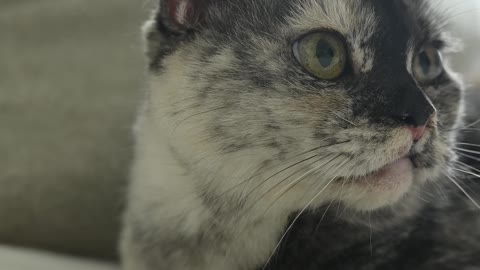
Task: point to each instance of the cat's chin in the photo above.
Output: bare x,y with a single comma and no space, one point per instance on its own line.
380,188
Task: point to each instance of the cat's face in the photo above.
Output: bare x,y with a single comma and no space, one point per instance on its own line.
343,100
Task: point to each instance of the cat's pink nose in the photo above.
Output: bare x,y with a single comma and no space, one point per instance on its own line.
417,132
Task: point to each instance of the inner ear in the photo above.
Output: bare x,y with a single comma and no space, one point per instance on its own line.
180,14
181,11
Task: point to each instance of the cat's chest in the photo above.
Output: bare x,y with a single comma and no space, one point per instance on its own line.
330,244
425,241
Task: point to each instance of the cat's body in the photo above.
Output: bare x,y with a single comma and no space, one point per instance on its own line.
444,237
241,133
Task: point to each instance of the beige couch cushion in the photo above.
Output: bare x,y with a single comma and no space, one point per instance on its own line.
22,259
70,76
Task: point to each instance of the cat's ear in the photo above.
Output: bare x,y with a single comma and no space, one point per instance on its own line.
171,23
180,15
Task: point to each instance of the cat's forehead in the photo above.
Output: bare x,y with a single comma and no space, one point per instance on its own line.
373,29
416,18
345,16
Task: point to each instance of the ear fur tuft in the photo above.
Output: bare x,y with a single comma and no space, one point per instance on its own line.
179,15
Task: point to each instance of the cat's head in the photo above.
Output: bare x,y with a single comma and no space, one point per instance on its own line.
334,100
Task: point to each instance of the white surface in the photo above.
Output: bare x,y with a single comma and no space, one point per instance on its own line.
20,259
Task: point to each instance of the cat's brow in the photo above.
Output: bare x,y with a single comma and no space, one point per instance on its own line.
425,21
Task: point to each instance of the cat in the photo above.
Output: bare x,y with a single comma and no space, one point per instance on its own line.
299,134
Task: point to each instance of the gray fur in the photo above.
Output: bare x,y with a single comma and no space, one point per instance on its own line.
231,118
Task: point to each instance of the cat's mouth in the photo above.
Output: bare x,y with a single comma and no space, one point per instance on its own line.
388,173
379,188
395,172
398,172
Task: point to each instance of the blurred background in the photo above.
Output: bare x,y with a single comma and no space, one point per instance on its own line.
71,73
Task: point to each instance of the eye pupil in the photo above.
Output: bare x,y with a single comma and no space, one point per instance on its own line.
322,54
325,53
425,63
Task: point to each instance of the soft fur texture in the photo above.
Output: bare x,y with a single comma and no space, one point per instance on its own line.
235,141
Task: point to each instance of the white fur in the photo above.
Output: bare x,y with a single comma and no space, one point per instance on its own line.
162,190
164,193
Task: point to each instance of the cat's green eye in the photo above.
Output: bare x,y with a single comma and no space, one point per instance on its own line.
427,65
322,53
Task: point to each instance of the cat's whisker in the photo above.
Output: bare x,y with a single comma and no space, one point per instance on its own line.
197,114
439,190
451,9
453,6
337,212
304,209
462,190
468,144
468,156
344,181
467,187
294,221
317,167
454,16
281,171
294,183
469,129
428,193
265,166
467,172
422,199
467,166
326,211
183,100
471,124
371,232
297,181
467,150
285,169
343,118
286,189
